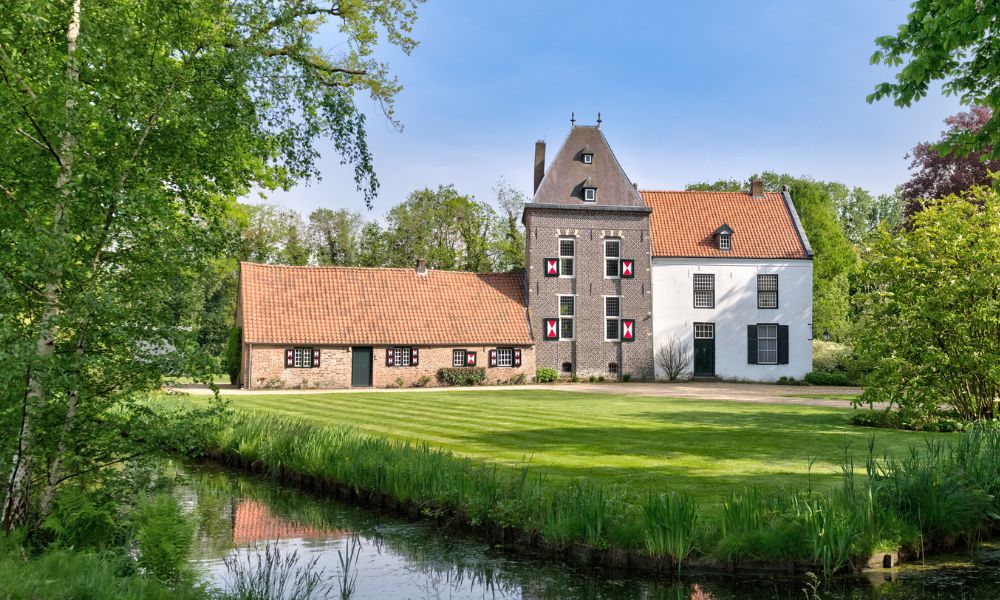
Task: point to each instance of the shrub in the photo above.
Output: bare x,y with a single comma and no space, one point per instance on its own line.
673,357
830,356
164,536
423,381
574,378
234,348
546,375
600,378
517,379
592,379
788,381
78,522
461,375
825,378
626,377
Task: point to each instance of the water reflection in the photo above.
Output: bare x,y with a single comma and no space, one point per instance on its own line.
399,559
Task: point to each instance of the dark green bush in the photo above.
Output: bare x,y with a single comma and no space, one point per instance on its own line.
233,354
423,381
517,379
461,375
789,381
626,377
165,537
825,378
546,375
78,521
914,422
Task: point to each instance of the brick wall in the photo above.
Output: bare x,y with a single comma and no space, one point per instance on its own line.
589,354
267,367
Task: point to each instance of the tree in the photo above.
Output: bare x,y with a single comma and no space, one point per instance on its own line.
939,174
373,246
674,358
931,310
294,246
334,236
509,230
128,130
953,42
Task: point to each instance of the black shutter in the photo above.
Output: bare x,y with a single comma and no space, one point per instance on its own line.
782,344
388,357
414,357
316,354
751,344
289,358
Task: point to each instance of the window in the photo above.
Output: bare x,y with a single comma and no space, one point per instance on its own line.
567,367
725,241
567,257
704,290
567,312
588,158
302,358
767,344
401,356
612,258
612,314
613,368
767,291
505,357
590,194
704,331
458,358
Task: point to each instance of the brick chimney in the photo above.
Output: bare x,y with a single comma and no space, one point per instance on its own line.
539,163
421,266
756,188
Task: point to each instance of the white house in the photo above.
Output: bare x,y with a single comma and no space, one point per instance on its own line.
731,279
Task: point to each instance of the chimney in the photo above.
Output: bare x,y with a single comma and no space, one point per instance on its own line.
756,188
421,266
539,163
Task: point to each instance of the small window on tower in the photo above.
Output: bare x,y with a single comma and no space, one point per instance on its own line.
588,158
590,194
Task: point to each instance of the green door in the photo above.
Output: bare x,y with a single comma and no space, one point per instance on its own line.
704,349
361,366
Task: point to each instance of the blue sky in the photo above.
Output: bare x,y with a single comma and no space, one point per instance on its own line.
688,91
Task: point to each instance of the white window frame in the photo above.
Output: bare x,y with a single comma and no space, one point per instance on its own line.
695,285
458,358
767,277
302,357
617,259
725,241
567,257
505,355
761,338
402,356
590,194
571,318
588,158
616,318
704,331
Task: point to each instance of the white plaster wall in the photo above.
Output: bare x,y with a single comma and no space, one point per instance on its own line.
735,308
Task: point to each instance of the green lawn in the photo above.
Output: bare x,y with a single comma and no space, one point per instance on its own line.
704,447
846,397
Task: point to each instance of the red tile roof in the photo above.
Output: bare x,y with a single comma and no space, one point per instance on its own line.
381,306
683,224
253,522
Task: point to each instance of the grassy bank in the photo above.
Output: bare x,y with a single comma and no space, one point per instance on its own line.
702,448
932,496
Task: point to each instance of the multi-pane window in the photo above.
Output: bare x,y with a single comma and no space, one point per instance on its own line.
704,290
302,357
612,258
458,358
725,241
590,194
613,368
401,356
704,331
612,318
567,313
567,257
767,344
767,291
505,357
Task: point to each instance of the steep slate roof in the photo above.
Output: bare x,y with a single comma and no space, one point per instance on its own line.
361,306
562,184
683,224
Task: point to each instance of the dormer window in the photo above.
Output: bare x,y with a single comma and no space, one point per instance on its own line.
588,158
724,238
590,194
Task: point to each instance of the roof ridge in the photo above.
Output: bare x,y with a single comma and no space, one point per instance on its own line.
745,193
359,268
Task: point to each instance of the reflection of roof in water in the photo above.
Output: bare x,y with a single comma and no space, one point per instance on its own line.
253,522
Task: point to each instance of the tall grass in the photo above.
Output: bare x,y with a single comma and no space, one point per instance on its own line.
273,575
941,495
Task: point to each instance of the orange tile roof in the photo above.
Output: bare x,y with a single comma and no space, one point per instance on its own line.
380,306
683,224
253,522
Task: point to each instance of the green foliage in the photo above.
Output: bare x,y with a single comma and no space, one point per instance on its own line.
461,375
234,354
272,575
890,419
79,522
830,356
509,230
626,377
546,375
931,311
826,378
164,536
422,381
670,522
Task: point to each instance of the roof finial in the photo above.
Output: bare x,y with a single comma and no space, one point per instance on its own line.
572,119
598,120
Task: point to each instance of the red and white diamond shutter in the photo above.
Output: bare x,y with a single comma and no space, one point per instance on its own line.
628,330
493,358
551,329
470,359
517,357
389,362
552,267
628,268
316,354
289,358
414,357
